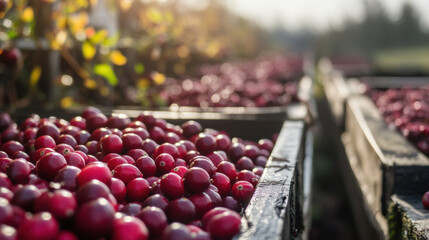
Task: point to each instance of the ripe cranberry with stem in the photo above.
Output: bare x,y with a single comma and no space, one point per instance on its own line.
138,189
95,218
180,170
228,169
181,210
155,220
157,200
172,186
146,165
149,146
44,141
242,191
48,165
67,177
205,143
196,180
18,171
224,226
129,227
63,148
111,144
126,172
222,182
202,203
176,231
96,170
164,163
40,153
41,226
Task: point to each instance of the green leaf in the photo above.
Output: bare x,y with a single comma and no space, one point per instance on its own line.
12,34
139,68
111,41
106,71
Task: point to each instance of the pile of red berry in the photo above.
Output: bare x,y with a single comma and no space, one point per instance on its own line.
95,177
260,83
407,110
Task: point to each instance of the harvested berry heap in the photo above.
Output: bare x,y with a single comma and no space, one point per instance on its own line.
261,83
407,110
95,177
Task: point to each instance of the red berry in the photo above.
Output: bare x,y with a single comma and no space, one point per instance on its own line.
96,170
67,139
11,147
25,197
176,231
4,161
266,144
119,121
129,227
223,142
222,182
224,225
196,180
6,193
158,201
92,190
44,141
111,144
204,163
216,158
246,175
67,177
202,203
244,163
208,216
181,171
50,129
155,220
40,226
425,200
118,189
95,218
131,141
8,232
98,133
131,209
115,161
191,128
166,148
18,171
136,153
228,169
172,185
6,211
90,111
49,165
75,159
205,143
126,172
236,151
181,210
149,146
96,121
242,191
137,190
157,134
79,122
146,165
164,163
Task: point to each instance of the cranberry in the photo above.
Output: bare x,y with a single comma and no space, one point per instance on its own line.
214,196
48,129
251,151
90,111
191,155
3,154
196,180
157,134
172,138
236,151
61,203
191,128
92,190
180,162
242,191
205,143
11,147
132,209
6,193
19,216
20,154
67,177
158,201
230,203
74,159
205,164
208,216
224,225
136,123
131,141
95,218
164,163
261,161
147,119
126,172
166,148
228,169
223,142
119,121
202,203
266,144
38,182
176,231
6,211
152,179
111,144
181,170
425,200
216,158
115,161
139,131
138,189
66,235
146,165
258,171
5,121
96,121
30,134
98,133
181,210
222,182
67,139
136,153
92,147
82,137
25,197
41,226
155,220
4,162
246,175
96,170
8,232
149,146
129,227
106,158
172,185
40,153
118,189
18,171
182,149
63,148
48,165
79,122
44,141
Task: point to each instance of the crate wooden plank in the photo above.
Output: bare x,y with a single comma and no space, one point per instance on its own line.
271,213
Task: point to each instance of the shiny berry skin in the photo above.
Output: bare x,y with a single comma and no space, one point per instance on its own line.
67,235
196,180
208,216
18,171
98,133
228,169
67,177
92,147
131,209
181,171
41,226
44,141
205,164
118,189
244,163
139,131
131,141
6,193
216,158
61,203
79,122
92,190
266,144
20,154
90,111
224,225
137,190
126,172
172,138
181,210
111,144
180,163
202,203
96,121
172,186
146,165
222,182
4,162
176,231
6,211
136,153
48,129
425,200
205,143
5,181
96,170
63,148
8,232
242,191
119,121
149,146
223,142
116,161
155,220
25,197
236,151
148,119
251,151
157,134
49,165
246,175
11,147
95,218
82,137
75,159
166,148
191,128
164,163
156,200
129,227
